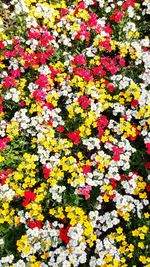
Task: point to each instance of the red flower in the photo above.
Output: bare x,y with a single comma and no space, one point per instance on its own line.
9,82
1,100
132,138
2,46
148,148
54,72
83,32
16,41
145,48
36,223
148,188
106,44
147,165
74,136
116,157
98,71
39,95
34,34
122,177
29,196
134,103
60,129
22,103
86,169
46,172
92,22
107,29
63,234
118,15
4,175
110,64
111,87
112,196
84,102
48,105
113,183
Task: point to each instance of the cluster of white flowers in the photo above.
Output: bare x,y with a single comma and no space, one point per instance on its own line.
6,261
6,193
56,192
107,246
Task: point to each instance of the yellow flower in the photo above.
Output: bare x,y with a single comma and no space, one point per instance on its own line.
36,264
131,247
32,258
142,259
122,249
141,245
119,230
106,198
146,215
1,159
26,250
144,229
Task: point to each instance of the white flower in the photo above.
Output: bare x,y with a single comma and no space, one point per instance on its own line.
1,241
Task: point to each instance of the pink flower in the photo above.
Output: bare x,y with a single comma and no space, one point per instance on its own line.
83,31
42,81
85,191
79,59
117,151
15,73
81,5
64,11
85,74
3,143
148,148
1,108
9,82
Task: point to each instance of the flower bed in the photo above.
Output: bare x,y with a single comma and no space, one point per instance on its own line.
74,133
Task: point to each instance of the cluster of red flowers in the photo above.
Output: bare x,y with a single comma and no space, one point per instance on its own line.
28,197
